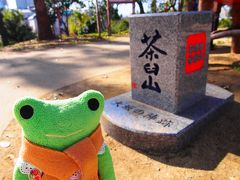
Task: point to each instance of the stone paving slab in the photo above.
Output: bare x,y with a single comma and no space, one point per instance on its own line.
154,130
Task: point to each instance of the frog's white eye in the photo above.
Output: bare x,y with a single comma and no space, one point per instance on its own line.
93,104
26,112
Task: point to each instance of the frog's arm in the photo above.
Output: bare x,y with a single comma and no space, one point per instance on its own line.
23,170
17,175
105,165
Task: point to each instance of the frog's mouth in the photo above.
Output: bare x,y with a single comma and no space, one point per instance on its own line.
64,136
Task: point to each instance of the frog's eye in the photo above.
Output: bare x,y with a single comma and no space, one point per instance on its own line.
93,104
26,112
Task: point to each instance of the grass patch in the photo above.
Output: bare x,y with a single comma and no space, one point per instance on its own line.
237,69
35,44
104,35
1,43
220,42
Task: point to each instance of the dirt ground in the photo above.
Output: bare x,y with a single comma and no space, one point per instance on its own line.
215,153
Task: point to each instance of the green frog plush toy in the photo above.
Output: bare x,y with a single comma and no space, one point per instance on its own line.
62,139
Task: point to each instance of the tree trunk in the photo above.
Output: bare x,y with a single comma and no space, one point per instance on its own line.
191,5
236,25
205,5
180,5
3,31
65,27
98,20
44,26
140,4
109,18
216,13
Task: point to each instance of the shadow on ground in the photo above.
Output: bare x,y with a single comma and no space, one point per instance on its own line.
110,85
220,137
221,49
210,148
42,69
212,144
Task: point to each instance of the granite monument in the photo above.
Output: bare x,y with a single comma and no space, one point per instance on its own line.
170,99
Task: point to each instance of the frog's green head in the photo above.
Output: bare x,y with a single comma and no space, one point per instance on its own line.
61,123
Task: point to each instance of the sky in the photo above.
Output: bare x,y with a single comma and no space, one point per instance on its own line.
126,9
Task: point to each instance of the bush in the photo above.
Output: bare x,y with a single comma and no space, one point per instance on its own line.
81,23
225,23
1,43
120,26
17,29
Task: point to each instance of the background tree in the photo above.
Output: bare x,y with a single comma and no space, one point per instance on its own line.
205,5
154,6
3,31
167,6
216,14
17,29
140,4
180,5
60,8
235,12
44,26
98,20
236,25
191,5
103,12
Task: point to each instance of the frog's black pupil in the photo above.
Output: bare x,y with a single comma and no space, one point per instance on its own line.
26,112
93,104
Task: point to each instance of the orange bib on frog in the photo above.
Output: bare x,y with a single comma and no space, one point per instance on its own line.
81,157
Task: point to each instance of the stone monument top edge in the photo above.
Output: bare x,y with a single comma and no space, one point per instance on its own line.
168,14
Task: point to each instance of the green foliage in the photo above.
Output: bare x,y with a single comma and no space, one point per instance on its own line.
120,26
17,29
1,43
103,11
154,6
237,69
81,23
60,7
84,23
78,22
225,23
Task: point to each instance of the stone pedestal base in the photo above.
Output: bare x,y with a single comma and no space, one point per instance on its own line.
153,130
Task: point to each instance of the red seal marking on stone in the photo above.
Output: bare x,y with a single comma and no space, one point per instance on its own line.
134,85
195,52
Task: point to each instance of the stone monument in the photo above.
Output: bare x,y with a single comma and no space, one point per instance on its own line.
170,99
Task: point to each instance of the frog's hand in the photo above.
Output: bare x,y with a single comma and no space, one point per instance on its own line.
24,170
17,175
105,164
